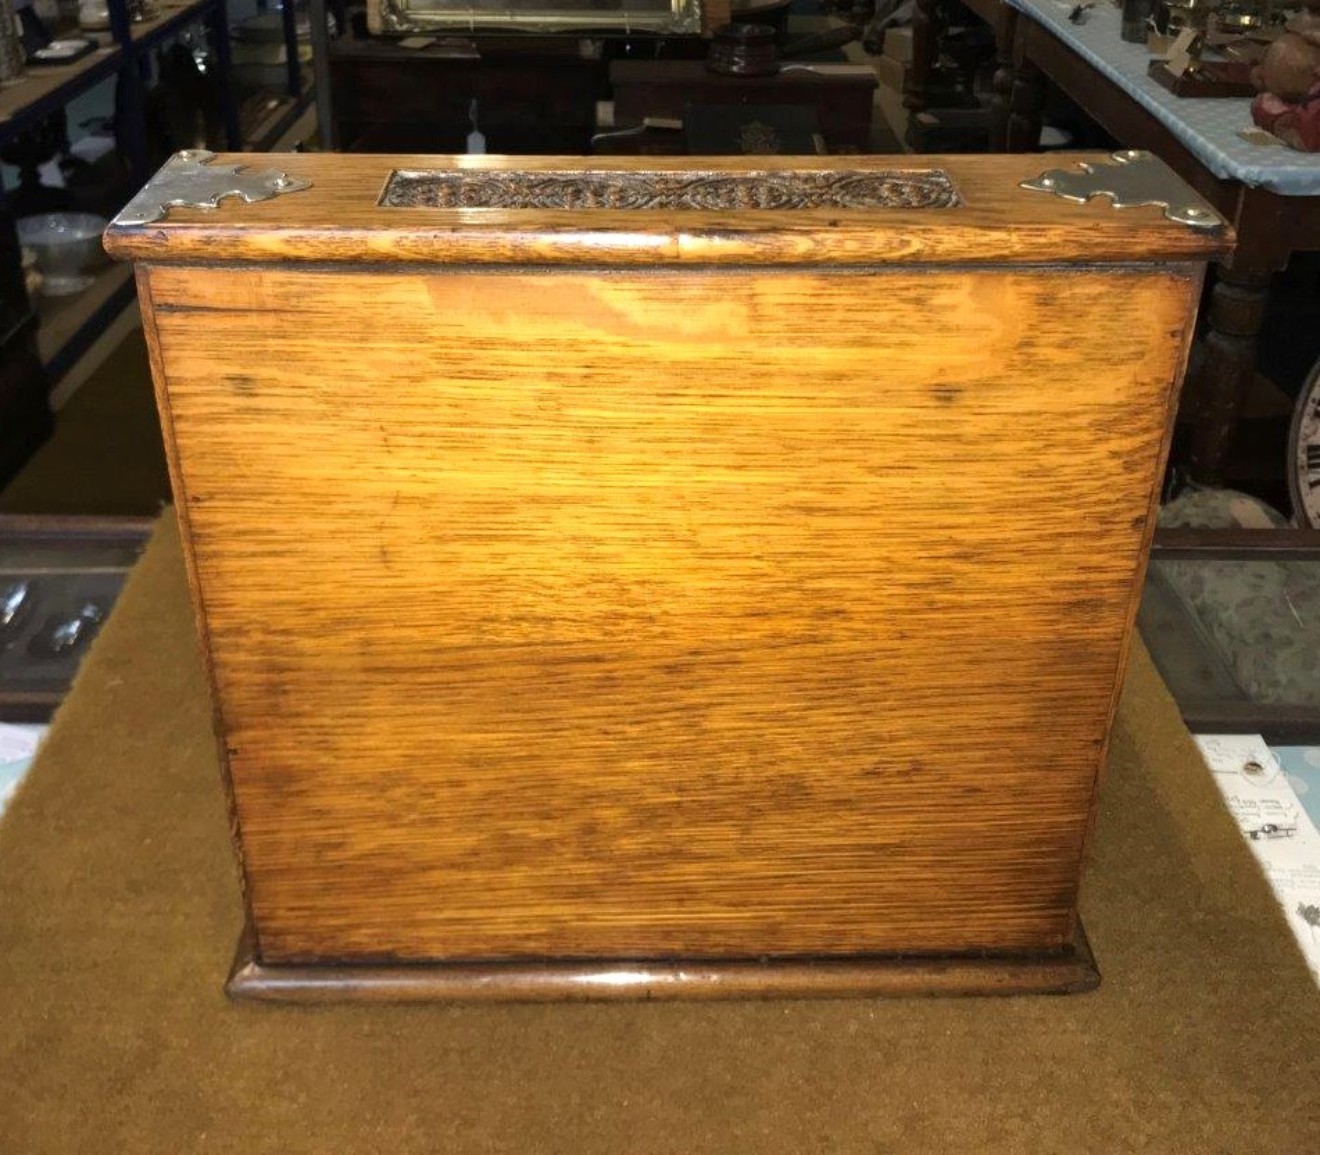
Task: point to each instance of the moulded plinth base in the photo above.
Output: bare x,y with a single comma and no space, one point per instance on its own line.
1068,971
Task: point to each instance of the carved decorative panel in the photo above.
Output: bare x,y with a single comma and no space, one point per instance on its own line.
700,191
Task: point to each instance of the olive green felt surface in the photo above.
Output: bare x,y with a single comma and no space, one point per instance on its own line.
119,910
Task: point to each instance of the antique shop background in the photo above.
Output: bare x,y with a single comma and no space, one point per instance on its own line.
1234,629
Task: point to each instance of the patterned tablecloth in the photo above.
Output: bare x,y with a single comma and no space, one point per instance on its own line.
1209,128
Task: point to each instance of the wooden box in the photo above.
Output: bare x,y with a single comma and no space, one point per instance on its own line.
694,577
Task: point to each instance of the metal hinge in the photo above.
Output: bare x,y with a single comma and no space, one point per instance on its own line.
1135,178
189,180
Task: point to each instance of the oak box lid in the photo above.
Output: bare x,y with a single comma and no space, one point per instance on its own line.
858,210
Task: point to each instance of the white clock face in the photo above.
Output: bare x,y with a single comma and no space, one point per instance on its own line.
1304,453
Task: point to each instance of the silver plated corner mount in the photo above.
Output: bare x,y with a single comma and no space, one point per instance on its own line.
1134,178
189,180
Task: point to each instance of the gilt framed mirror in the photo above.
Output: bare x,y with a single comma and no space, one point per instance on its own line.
670,17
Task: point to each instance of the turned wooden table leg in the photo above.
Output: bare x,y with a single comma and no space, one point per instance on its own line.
1215,393
1026,99
925,51
1002,82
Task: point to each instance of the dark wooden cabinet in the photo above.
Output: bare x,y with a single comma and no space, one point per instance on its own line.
678,89
534,95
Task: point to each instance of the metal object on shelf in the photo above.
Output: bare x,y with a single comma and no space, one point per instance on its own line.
65,635
59,577
67,247
1180,14
1235,17
1135,178
11,47
743,50
189,180
94,16
1136,20
14,600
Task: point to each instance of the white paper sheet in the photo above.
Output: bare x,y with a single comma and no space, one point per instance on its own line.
1277,827
18,745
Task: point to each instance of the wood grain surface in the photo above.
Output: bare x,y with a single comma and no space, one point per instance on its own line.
657,614
339,219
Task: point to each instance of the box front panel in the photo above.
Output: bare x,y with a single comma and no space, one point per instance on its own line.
685,613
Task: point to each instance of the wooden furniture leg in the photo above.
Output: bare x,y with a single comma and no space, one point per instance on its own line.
1214,396
1026,99
925,53
1005,28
